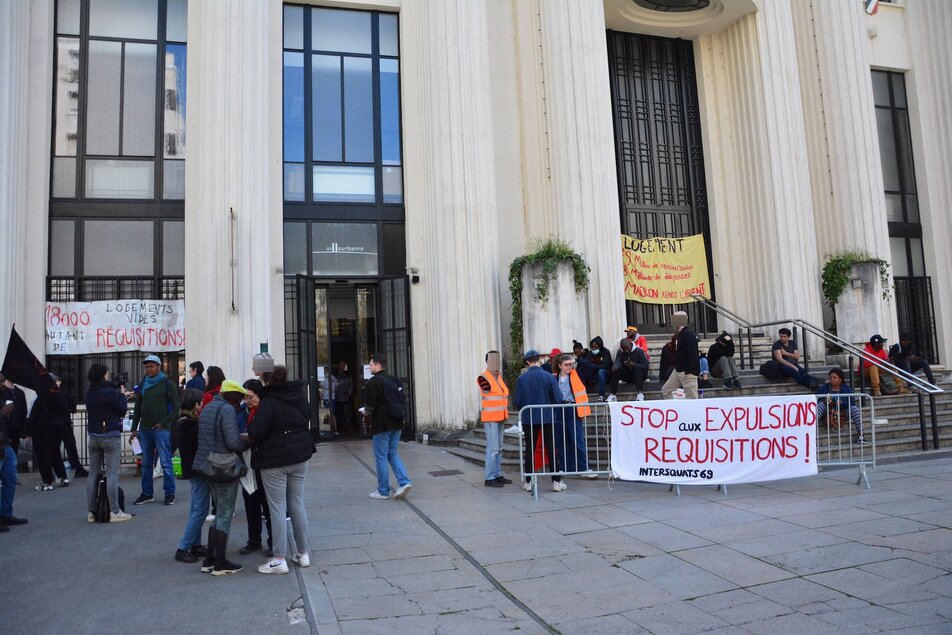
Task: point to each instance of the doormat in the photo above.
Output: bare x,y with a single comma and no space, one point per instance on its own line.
446,473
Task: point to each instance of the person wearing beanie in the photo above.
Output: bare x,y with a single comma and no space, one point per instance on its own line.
687,364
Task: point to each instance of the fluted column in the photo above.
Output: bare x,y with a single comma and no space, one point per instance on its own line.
930,87
849,207
568,154
761,207
14,47
450,203
233,162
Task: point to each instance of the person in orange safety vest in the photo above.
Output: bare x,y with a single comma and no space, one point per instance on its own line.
570,436
494,412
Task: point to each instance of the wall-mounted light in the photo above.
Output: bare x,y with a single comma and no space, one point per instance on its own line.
414,275
857,283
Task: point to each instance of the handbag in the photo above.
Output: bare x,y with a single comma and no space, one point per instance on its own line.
224,467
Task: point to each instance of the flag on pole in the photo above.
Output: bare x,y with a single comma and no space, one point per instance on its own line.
22,367
872,6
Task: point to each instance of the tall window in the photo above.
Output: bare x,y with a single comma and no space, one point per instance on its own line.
118,164
343,165
913,287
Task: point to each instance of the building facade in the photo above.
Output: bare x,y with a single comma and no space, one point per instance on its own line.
335,178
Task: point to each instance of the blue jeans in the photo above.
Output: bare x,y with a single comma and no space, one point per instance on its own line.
386,451
494,433
570,449
8,480
157,441
705,368
799,375
197,511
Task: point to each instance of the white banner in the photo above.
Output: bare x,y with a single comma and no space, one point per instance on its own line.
79,328
714,441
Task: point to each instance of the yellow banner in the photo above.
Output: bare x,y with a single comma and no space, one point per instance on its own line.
664,270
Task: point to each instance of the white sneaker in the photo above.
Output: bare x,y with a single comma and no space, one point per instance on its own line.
119,517
640,397
403,490
558,486
301,559
527,486
90,517
611,398
210,518
44,487
274,566
378,496
589,474
516,429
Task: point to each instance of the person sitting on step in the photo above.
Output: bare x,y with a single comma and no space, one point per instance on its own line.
832,410
720,359
906,356
875,349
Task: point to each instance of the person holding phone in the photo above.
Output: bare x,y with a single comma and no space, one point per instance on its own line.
494,413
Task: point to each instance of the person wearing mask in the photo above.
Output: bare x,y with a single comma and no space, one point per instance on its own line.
45,425
190,547
218,434
595,365
156,407
631,366
256,503
570,436
105,409
283,446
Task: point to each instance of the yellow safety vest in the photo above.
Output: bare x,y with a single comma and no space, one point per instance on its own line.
495,402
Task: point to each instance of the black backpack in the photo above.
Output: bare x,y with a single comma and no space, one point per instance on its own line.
394,399
102,501
771,370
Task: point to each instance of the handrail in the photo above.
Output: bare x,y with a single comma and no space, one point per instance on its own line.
921,384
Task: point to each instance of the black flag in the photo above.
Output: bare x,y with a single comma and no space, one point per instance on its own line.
22,367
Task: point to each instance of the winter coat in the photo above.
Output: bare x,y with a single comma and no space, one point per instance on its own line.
217,432
535,387
186,438
105,408
52,410
718,350
686,355
280,427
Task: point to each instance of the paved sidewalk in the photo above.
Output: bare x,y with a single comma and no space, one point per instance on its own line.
818,555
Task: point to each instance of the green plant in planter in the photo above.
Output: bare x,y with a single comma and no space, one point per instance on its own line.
837,270
549,253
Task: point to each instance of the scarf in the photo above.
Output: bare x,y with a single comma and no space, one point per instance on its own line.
152,381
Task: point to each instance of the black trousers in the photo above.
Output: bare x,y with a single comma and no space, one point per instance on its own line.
46,451
629,376
530,435
256,508
69,442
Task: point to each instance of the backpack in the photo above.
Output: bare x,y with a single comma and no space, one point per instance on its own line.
102,501
394,399
771,370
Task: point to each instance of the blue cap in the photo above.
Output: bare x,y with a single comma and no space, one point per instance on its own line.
152,358
530,354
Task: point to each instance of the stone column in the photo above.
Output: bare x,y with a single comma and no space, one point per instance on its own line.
849,210
14,114
929,86
574,181
450,204
756,156
233,163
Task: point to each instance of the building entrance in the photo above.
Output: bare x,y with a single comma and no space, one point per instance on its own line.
340,324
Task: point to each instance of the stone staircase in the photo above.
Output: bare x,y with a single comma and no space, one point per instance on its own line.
898,436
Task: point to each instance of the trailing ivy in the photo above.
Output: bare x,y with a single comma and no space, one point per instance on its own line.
550,254
837,270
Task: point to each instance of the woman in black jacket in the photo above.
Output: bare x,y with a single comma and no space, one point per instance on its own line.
186,437
105,409
283,447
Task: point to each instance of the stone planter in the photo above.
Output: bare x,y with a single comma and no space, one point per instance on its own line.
561,319
858,310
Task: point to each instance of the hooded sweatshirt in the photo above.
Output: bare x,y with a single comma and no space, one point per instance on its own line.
280,427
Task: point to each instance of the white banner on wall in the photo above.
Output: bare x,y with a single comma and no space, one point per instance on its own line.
714,441
112,326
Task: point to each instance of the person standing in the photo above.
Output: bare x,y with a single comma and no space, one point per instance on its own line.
190,547
256,503
387,428
156,407
17,419
8,472
215,377
283,446
69,437
45,425
494,413
196,380
570,436
218,434
687,364
535,387
105,409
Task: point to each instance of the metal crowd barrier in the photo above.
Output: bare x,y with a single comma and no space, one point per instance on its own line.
126,456
555,429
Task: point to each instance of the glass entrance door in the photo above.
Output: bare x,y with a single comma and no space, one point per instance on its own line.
395,341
